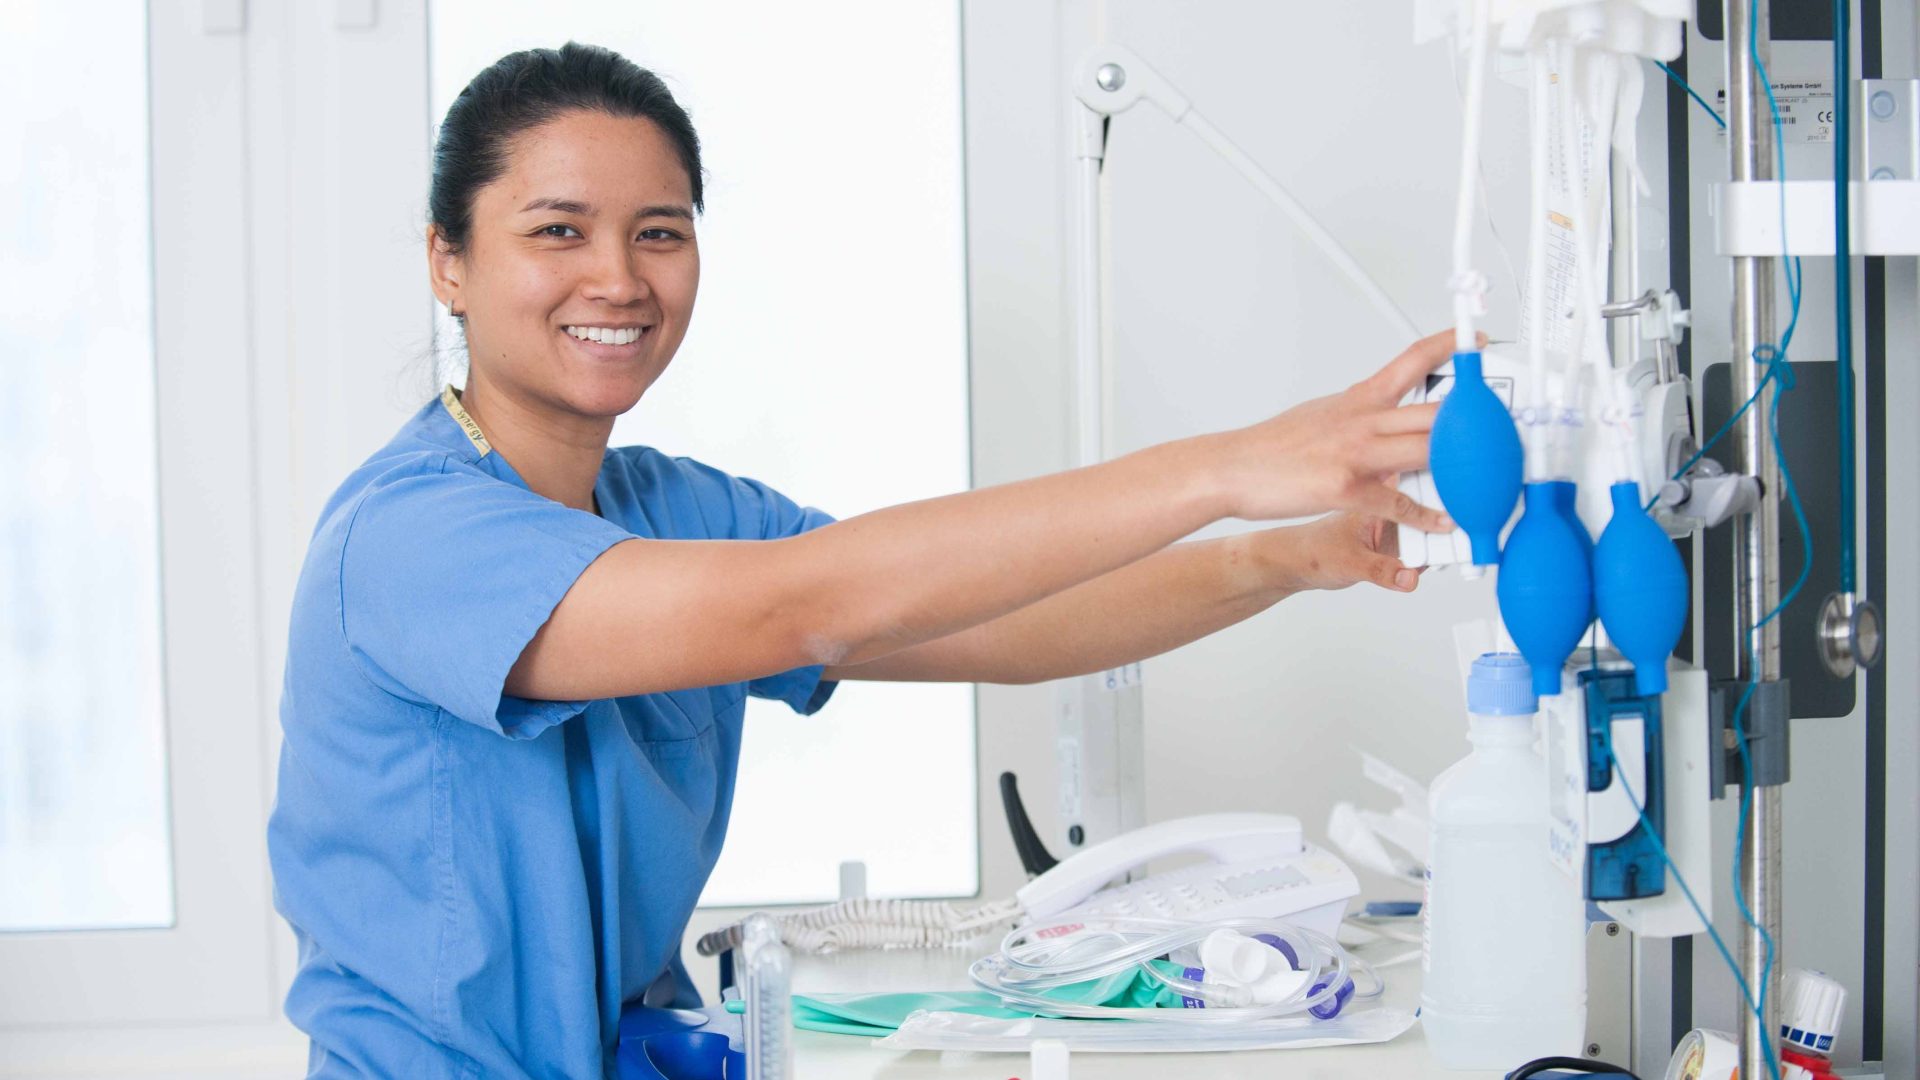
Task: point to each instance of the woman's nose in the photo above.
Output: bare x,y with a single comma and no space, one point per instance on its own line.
617,279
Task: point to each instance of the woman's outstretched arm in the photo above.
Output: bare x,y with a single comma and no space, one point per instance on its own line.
1158,604
653,615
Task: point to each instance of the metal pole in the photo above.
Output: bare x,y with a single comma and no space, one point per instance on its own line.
1757,559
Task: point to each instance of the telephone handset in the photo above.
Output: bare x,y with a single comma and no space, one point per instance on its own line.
1260,867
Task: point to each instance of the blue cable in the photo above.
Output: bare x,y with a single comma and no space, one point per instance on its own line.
1779,371
1692,93
1714,440
1706,920
1843,275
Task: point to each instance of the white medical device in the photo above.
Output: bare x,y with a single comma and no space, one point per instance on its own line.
1254,866
1258,866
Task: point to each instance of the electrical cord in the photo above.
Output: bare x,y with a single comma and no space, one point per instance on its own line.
867,923
1778,362
1843,276
1570,1064
1706,920
1692,93
1779,373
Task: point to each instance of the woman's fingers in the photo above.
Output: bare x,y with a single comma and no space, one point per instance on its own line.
1406,371
1409,418
1388,454
1392,504
1389,573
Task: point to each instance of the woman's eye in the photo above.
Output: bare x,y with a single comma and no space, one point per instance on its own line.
560,232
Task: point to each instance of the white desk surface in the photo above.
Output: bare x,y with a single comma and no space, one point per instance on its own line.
820,1056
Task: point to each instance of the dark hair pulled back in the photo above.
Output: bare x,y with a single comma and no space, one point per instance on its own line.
523,90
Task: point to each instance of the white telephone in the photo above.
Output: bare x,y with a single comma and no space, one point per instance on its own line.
1261,868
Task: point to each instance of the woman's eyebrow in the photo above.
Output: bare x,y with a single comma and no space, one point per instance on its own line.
574,206
664,211
564,206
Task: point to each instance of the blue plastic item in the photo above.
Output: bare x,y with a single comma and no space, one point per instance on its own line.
1640,588
1566,499
1475,456
680,1044
1631,866
1327,1010
1546,585
1501,684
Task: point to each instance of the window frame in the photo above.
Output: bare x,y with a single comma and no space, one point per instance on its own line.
213,962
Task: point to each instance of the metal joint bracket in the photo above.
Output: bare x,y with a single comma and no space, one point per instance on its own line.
1765,721
1112,79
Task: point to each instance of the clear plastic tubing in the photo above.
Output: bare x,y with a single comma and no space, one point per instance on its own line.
1504,962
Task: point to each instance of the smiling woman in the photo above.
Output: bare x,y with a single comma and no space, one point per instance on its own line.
828,355
563,238
520,659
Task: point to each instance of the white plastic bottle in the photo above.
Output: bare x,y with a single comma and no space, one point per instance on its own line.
1505,930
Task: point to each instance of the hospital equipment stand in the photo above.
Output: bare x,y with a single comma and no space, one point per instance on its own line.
1750,151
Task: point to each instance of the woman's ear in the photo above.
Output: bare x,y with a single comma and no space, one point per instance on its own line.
445,269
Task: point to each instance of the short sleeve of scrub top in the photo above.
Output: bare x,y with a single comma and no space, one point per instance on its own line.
478,882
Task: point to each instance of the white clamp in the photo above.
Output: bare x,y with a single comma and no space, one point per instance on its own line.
1885,216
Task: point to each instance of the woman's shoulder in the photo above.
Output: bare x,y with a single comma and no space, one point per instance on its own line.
387,474
653,470
429,444
675,492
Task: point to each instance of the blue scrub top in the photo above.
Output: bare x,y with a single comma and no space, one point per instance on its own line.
479,882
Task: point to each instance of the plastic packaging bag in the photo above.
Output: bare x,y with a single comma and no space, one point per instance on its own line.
961,1031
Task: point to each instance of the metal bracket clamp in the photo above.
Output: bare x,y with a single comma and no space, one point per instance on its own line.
1663,320
1708,495
1765,722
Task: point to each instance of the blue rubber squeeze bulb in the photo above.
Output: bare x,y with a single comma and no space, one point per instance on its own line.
1566,498
1546,585
1474,454
1640,587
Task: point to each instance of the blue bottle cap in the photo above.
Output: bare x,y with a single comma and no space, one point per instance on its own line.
1501,684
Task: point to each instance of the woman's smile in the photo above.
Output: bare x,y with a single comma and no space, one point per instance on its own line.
608,342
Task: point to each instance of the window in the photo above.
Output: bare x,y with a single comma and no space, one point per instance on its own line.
83,823
827,357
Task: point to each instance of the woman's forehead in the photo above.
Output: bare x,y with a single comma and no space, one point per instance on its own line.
605,162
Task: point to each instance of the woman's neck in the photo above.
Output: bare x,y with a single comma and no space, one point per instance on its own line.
558,455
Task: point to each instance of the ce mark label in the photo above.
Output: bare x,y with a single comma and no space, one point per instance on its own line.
1824,116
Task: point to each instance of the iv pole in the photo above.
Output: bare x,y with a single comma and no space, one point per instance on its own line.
1757,556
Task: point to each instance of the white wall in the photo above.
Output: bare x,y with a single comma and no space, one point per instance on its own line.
1222,315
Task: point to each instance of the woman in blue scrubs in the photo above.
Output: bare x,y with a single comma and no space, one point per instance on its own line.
519,658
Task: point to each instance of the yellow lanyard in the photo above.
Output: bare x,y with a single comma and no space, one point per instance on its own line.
454,409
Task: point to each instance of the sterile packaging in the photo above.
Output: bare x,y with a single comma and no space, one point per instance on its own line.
962,1031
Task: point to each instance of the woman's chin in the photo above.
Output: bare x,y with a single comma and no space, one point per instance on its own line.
608,393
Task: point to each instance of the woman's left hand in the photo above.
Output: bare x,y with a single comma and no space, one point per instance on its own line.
1340,550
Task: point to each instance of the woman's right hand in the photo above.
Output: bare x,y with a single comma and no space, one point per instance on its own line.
1341,452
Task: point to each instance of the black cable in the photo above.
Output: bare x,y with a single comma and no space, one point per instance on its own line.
1581,1065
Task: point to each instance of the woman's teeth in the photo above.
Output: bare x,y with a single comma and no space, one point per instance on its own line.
606,335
